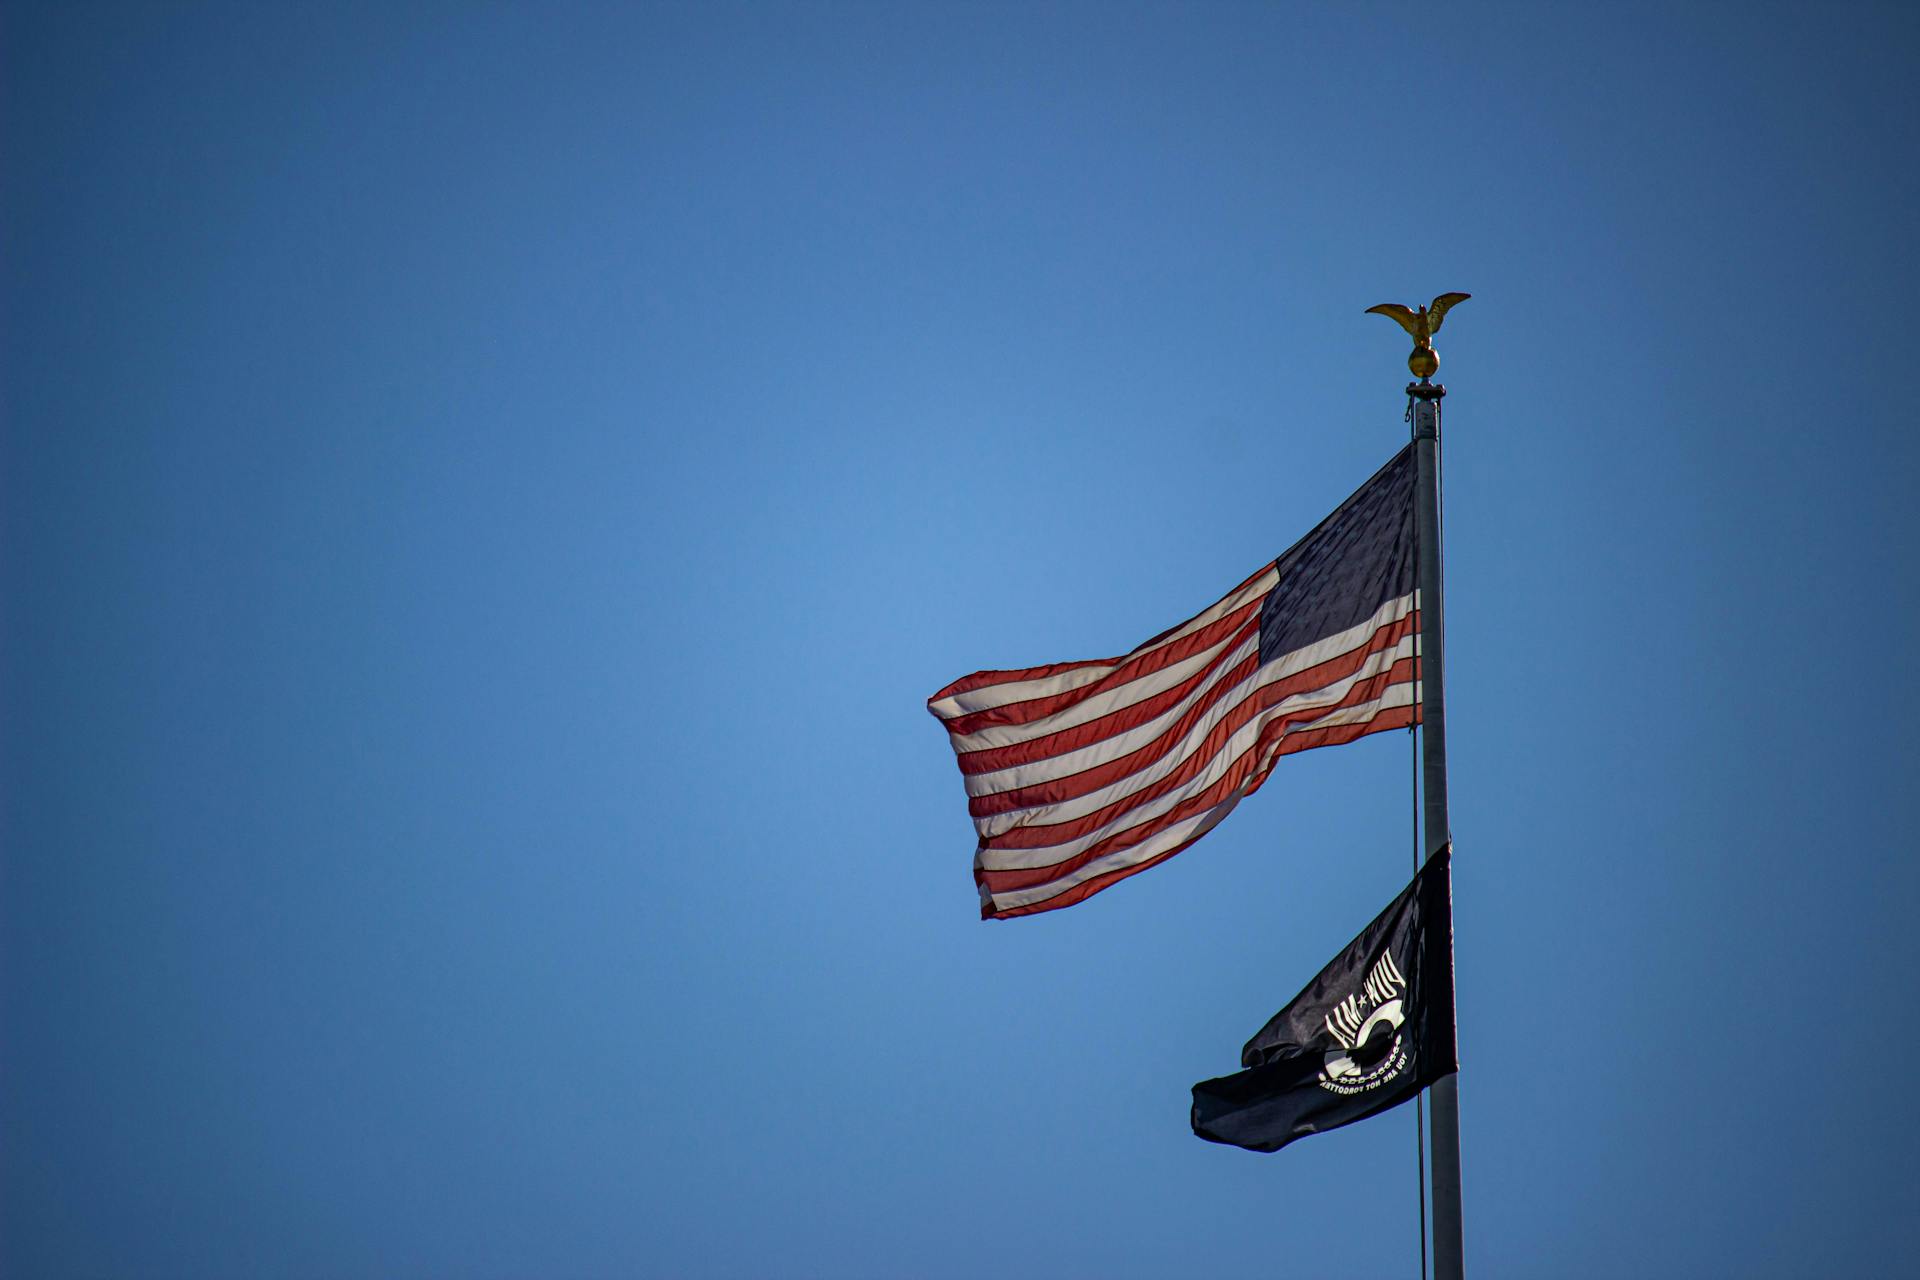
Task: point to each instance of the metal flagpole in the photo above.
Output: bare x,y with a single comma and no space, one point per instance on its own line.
1444,1130
1425,395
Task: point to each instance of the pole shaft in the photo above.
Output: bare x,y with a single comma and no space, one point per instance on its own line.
1444,1127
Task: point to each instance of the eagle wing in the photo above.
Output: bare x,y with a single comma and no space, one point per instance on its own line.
1438,310
1401,316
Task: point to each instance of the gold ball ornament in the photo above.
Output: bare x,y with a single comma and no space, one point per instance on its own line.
1423,362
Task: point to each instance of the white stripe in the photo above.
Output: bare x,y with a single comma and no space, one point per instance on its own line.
1079,806
999,695
1226,758
1095,705
1146,775
1175,835
1231,755
1107,749
1398,694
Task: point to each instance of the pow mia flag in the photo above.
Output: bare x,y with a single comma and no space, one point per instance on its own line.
1370,1032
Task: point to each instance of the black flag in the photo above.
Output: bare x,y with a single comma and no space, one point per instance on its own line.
1371,1031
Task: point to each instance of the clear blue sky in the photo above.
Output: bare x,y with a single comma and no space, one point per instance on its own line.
486,491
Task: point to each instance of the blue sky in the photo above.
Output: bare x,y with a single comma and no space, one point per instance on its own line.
486,490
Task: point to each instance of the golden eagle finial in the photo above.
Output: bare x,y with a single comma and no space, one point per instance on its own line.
1422,324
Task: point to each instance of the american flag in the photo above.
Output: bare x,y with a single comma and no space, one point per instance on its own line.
1080,774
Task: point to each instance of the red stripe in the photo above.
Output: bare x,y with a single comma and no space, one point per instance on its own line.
1065,741
987,679
1065,787
1242,772
1114,723
1084,890
1393,718
1017,713
1237,773
1079,893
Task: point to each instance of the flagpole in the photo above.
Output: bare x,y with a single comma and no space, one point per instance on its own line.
1444,1113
